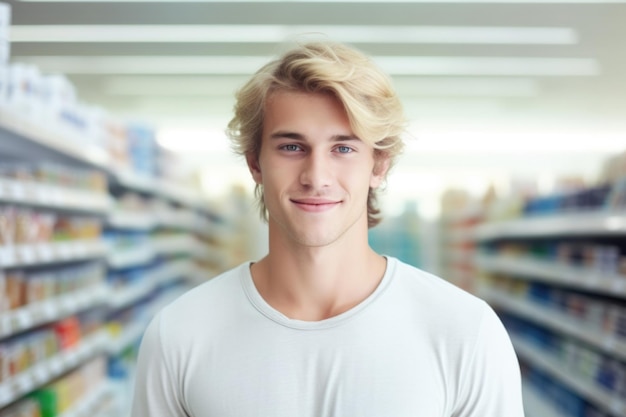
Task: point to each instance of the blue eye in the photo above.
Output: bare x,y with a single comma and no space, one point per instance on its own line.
291,147
344,149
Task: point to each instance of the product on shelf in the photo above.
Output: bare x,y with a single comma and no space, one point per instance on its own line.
28,407
63,394
19,288
19,225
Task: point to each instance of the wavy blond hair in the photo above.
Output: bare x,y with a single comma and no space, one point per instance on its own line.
373,108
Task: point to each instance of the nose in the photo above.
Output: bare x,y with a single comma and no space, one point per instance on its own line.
316,171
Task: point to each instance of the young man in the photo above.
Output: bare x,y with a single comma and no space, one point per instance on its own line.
323,326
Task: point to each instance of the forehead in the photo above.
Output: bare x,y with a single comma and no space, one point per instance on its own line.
296,108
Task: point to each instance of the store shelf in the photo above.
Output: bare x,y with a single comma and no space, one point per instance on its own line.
46,371
91,403
129,336
130,257
556,273
53,197
535,405
47,253
134,331
600,223
29,140
172,245
176,220
173,271
554,320
28,317
131,220
165,274
176,193
123,297
128,179
604,400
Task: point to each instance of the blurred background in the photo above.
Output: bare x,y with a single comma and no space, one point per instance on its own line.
119,191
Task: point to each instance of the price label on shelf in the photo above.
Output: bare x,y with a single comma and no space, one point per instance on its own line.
40,374
27,254
619,285
6,394
617,406
64,250
5,324
8,257
17,190
609,343
45,252
41,195
22,319
56,365
49,310
23,382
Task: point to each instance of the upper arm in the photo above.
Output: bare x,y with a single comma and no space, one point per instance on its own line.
157,390
490,381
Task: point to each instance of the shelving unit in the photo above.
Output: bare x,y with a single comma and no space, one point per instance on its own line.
607,223
559,322
167,256
535,405
609,403
31,316
532,272
525,268
45,372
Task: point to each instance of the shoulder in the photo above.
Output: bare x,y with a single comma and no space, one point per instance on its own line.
435,294
203,306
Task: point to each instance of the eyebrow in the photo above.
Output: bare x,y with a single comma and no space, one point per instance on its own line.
297,136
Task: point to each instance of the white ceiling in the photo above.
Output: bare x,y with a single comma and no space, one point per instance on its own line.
492,78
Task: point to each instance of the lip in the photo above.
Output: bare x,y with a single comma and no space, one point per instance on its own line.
315,205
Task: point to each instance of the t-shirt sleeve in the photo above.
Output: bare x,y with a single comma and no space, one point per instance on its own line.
490,381
156,392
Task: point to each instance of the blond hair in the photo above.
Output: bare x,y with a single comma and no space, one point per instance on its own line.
373,108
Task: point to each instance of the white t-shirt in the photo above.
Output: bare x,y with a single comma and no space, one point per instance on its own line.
416,347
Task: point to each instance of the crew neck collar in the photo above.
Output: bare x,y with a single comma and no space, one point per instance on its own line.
271,313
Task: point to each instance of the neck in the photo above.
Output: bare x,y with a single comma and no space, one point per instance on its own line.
315,283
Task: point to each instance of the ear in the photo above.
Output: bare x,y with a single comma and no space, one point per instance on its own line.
255,169
381,166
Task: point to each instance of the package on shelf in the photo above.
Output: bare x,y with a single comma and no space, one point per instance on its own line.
114,130
27,407
142,149
22,352
57,175
19,225
20,288
65,393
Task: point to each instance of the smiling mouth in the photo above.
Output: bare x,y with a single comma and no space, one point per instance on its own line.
315,205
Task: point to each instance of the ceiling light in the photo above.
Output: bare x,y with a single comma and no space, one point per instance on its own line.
218,86
282,33
241,65
337,1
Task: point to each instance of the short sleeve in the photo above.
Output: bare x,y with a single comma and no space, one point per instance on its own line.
490,380
156,392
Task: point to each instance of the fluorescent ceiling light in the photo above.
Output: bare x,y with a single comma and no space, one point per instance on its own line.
487,142
281,33
466,86
155,86
335,1
204,139
241,65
